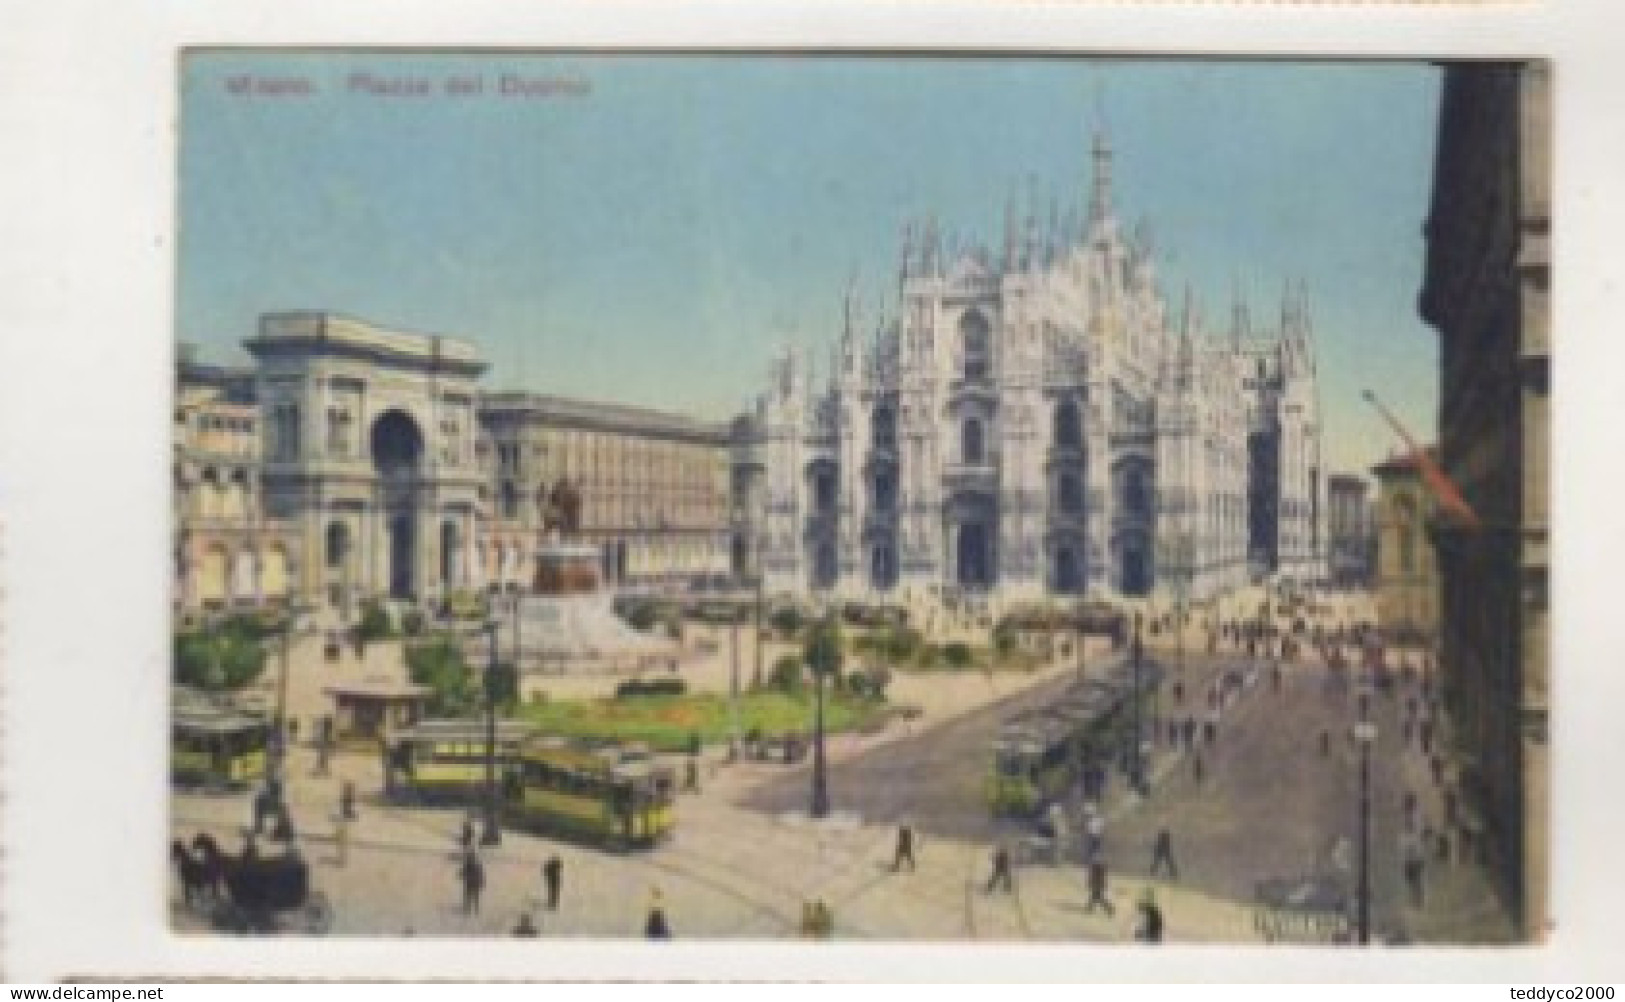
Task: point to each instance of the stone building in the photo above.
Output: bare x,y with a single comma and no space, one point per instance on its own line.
229,553
1040,421
1350,543
1407,577
1485,291
351,462
654,486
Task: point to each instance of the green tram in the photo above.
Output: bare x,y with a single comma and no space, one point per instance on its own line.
214,743
608,793
1037,756
605,793
443,761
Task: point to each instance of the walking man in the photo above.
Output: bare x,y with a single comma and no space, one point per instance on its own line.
656,926
1162,854
552,877
1095,828
905,849
1097,889
341,840
1150,928
347,801
1001,877
472,873
1411,852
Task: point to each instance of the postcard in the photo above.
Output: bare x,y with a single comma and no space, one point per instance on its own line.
866,497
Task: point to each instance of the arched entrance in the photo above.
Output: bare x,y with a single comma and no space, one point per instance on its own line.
1064,574
1134,561
397,454
824,566
974,551
882,566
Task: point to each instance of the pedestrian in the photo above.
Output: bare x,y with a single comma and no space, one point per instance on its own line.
1179,692
552,878
1405,730
526,929
1097,889
691,775
1210,731
655,926
1095,828
1001,876
1173,734
1196,768
1275,677
472,873
1190,732
1424,736
347,801
341,840
1411,852
262,809
1325,742
1162,854
905,849
1150,927
466,837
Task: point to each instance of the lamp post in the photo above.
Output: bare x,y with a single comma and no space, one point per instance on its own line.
279,749
1365,734
756,666
734,612
492,834
823,657
1136,767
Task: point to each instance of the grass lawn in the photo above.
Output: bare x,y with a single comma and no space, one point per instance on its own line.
667,721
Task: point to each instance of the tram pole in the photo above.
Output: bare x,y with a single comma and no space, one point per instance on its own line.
492,834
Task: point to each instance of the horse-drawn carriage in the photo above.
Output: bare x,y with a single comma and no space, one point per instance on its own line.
251,893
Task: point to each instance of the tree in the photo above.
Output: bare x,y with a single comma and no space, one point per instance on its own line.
375,622
787,620
822,651
957,654
228,655
439,664
785,675
1004,639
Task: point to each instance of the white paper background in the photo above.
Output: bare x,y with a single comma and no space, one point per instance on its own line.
87,168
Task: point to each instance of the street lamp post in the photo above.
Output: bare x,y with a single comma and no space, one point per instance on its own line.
492,834
823,658
733,679
1137,769
1365,734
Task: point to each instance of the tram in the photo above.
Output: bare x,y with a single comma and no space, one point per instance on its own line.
1038,755
445,760
214,743
604,792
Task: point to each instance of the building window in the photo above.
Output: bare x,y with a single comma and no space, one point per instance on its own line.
824,491
971,446
1070,494
1068,426
885,428
885,490
974,345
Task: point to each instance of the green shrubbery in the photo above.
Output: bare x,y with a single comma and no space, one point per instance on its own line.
375,622
786,675
439,664
957,655
227,655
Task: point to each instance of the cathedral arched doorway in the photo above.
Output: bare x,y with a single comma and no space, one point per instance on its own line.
1064,572
882,566
974,553
824,566
1134,560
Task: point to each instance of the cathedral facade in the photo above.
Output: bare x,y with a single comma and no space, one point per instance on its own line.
1040,420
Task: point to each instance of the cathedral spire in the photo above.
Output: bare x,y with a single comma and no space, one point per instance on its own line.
1011,237
905,254
1240,323
1100,196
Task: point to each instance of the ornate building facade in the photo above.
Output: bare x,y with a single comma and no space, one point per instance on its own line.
1485,291
352,462
1040,421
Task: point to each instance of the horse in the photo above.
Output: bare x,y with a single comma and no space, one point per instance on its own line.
200,874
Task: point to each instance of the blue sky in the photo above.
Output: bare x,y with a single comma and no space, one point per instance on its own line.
652,230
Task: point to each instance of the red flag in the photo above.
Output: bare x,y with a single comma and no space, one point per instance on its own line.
1445,491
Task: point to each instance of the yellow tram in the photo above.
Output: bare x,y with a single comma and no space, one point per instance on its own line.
608,793
214,743
445,760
